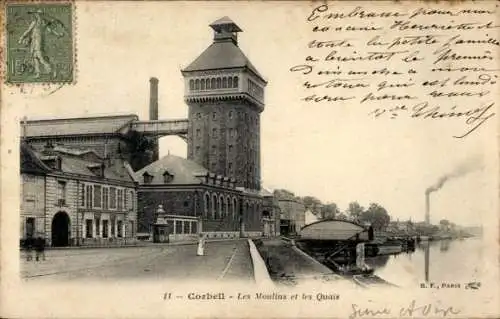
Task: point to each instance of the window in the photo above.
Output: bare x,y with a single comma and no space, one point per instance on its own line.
214,205
131,200
30,227
105,198
88,191
214,133
167,177
112,198
230,82
120,228
231,132
206,205
197,152
113,224
125,200
214,149
97,196
194,227
186,227
224,82
235,81
61,192
214,116
81,190
196,84
178,226
230,114
212,83
120,199
230,167
148,179
186,203
230,148
88,228
105,225
97,227
202,84
191,85
198,132
218,83
208,84
214,166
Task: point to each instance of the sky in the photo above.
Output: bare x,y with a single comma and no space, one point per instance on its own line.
335,153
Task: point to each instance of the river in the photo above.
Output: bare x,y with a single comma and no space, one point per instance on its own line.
449,261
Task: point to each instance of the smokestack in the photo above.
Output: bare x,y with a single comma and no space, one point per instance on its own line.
427,208
153,98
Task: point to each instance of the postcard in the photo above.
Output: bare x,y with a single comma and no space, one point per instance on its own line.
254,159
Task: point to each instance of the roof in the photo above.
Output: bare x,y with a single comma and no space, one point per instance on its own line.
115,170
78,126
222,55
227,22
182,170
30,163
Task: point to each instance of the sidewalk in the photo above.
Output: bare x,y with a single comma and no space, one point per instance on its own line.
223,260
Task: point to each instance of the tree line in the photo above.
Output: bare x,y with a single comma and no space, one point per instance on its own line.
376,215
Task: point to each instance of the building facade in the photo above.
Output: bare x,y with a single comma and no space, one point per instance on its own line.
71,201
195,200
293,215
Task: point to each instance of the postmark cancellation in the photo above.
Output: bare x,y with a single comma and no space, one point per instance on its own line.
39,42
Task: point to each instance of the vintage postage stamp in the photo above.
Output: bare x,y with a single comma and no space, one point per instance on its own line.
39,42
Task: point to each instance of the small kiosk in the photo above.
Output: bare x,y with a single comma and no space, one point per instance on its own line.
161,228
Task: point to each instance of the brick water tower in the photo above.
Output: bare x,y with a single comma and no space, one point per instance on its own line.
225,95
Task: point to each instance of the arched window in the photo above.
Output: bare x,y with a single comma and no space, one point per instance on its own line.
224,82
235,81
226,206
218,83
212,83
230,114
221,207
191,85
214,206
246,211
202,84
230,82
234,208
197,84
206,205
208,84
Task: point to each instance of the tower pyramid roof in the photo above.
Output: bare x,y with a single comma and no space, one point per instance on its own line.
222,54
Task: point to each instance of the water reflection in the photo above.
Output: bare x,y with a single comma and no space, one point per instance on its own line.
441,261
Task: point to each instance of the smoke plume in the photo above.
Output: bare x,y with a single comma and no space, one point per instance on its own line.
466,167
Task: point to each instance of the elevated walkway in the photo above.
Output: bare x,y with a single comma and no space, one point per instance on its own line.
161,127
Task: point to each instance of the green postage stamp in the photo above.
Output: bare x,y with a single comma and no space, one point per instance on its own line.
39,42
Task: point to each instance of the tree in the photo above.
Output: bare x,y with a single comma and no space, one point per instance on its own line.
377,216
354,210
342,216
139,149
283,194
329,211
311,202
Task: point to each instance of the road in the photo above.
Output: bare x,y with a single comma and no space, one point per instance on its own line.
223,260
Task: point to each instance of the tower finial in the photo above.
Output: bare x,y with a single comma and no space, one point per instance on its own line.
225,30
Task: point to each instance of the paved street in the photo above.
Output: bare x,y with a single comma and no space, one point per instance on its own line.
223,260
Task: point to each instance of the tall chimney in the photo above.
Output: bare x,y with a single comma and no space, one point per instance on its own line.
153,98
427,208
